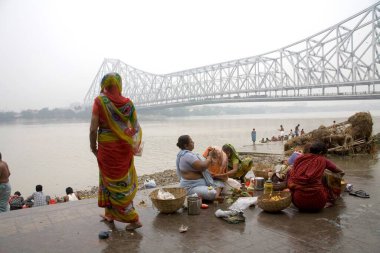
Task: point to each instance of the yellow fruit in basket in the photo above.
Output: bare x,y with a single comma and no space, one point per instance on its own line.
272,198
275,198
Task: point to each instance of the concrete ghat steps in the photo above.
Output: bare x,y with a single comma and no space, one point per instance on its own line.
351,226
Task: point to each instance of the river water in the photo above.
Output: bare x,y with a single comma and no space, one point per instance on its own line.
57,155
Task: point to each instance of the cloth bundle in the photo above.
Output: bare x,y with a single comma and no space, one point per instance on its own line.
235,213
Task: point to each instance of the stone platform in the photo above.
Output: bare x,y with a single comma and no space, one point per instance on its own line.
353,225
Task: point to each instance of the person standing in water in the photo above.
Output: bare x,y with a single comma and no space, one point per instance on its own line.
253,136
297,130
282,132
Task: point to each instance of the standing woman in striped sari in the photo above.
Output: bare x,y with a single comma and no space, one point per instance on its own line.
115,137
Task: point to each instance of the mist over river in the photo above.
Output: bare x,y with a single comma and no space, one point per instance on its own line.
57,155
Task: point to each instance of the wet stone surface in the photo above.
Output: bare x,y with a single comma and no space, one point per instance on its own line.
353,225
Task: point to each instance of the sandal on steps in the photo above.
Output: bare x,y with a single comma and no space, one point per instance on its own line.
359,193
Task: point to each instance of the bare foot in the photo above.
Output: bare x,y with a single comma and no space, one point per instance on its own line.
133,226
106,219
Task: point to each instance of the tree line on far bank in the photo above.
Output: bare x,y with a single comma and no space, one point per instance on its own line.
84,113
80,113
45,114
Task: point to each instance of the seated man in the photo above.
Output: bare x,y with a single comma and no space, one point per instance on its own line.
71,195
38,197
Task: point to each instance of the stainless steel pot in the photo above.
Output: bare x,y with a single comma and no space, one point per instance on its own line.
259,183
194,205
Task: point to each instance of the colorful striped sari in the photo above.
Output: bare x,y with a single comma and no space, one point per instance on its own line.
117,145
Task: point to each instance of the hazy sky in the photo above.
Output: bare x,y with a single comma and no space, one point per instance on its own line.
50,50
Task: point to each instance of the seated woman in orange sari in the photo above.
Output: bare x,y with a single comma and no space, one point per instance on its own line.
115,137
305,181
218,165
218,168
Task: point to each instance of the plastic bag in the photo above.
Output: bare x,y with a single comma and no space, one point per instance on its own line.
229,185
243,203
232,216
223,214
164,195
149,183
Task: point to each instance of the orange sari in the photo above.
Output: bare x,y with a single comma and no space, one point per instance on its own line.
218,163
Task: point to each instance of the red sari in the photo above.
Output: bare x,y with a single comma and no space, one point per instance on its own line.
306,184
118,135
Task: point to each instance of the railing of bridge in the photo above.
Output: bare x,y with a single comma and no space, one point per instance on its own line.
343,59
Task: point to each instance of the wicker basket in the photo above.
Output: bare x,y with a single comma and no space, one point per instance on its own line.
261,170
265,203
169,205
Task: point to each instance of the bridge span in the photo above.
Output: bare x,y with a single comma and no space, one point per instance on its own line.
339,63
258,99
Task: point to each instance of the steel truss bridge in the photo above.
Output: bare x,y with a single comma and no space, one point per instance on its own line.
339,63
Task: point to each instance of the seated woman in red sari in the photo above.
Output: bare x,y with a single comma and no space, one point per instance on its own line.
115,137
305,181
